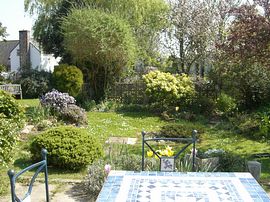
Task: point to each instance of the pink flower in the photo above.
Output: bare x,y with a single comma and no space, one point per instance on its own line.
107,168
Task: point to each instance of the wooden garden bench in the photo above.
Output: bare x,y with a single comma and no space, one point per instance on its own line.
14,89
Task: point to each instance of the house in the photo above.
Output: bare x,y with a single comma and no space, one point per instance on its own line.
20,54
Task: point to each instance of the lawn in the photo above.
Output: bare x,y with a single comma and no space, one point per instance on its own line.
112,124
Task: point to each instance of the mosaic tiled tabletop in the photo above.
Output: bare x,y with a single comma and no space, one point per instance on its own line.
146,186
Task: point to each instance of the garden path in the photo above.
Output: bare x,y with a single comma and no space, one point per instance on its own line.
58,193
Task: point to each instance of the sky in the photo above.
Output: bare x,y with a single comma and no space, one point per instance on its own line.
13,17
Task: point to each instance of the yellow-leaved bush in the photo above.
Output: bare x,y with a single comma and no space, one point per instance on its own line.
168,89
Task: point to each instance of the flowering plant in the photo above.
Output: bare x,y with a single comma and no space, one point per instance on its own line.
168,151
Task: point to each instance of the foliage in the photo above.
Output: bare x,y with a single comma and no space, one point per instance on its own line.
95,178
264,128
11,109
8,139
73,114
189,34
68,79
177,130
169,90
88,105
246,124
3,31
68,147
34,83
107,105
230,162
225,104
144,26
195,27
35,115
4,184
146,22
244,57
202,105
104,61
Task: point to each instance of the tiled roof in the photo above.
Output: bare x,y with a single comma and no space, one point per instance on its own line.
5,48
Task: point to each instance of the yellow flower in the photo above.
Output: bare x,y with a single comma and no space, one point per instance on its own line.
170,153
150,153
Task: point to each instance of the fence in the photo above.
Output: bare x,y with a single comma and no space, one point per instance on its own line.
129,93
14,89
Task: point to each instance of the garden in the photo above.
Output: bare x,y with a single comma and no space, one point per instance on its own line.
90,112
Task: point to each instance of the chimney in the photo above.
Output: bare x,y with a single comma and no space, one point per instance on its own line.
24,37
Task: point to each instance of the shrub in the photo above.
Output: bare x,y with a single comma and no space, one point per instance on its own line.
225,104
167,89
11,109
8,139
35,83
57,100
246,124
264,128
202,105
63,106
230,162
68,147
73,115
95,178
68,79
176,131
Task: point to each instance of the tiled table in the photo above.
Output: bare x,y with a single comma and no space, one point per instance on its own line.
183,187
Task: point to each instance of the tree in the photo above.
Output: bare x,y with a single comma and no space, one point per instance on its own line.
100,42
146,17
246,55
195,27
3,32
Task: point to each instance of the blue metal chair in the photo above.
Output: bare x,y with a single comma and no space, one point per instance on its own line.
168,163
40,167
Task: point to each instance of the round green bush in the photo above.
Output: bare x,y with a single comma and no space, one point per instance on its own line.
11,109
68,79
68,147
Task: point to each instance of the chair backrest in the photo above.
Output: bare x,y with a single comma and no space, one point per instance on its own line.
40,167
168,163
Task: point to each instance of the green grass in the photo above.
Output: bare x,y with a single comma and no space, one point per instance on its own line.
112,124
29,102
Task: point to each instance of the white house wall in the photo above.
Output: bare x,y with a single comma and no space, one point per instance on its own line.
35,57
14,59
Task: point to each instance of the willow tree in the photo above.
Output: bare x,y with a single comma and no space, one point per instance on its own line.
102,43
147,18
